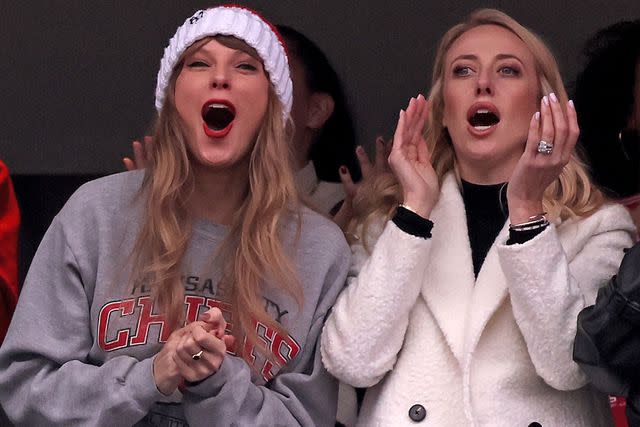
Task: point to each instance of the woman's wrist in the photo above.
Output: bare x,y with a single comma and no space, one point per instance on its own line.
417,206
521,212
164,384
410,222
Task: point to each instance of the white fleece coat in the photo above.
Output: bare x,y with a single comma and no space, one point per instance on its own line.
416,326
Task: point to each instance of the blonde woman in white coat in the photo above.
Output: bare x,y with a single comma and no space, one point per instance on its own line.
456,317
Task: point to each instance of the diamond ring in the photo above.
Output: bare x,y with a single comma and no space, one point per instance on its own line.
545,147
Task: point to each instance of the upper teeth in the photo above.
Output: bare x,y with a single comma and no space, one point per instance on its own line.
217,106
482,111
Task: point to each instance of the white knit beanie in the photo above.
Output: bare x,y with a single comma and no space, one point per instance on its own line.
239,22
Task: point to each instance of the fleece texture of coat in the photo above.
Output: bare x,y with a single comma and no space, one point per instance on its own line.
418,328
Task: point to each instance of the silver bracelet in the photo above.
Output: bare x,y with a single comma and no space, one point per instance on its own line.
536,226
534,221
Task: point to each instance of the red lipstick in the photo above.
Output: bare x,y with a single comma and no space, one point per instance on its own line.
218,116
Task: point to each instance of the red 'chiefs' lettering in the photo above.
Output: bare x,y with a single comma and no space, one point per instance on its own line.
147,319
285,348
122,337
193,307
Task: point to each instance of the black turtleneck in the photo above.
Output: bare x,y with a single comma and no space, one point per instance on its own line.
486,210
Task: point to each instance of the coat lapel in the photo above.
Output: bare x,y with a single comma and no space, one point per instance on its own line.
461,305
488,294
449,282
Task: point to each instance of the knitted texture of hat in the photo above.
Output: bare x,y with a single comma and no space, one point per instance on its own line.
243,24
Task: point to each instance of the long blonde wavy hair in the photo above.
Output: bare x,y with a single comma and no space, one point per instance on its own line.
571,194
253,252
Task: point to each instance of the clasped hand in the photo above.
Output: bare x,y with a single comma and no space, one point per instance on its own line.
177,361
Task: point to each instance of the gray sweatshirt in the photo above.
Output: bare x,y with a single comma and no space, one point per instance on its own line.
80,348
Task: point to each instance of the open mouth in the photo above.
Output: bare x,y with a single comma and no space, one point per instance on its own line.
483,117
218,116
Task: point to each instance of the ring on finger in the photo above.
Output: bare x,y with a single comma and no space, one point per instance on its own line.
197,356
545,147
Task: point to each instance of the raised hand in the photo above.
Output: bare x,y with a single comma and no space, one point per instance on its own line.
140,154
369,170
410,159
552,138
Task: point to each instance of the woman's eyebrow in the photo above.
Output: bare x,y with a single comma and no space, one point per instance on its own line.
500,56
465,56
508,56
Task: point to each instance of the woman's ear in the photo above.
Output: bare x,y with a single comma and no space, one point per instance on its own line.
319,110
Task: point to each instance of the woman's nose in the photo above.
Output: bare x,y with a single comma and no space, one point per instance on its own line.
484,84
220,80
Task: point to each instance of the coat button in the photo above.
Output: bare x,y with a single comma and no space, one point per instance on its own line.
417,413
535,424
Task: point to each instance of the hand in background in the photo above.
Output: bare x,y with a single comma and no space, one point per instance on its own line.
369,170
140,154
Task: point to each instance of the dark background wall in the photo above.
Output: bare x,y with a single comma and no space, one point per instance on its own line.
79,76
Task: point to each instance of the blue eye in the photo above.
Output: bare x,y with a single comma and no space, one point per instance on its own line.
509,71
462,71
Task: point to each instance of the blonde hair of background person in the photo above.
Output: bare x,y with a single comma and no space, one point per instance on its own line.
456,343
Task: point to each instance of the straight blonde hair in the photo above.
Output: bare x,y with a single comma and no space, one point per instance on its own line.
572,194
252,254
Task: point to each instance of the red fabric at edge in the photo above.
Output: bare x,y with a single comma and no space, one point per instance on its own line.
9,224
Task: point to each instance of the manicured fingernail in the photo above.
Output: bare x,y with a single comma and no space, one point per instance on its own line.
359,149
380,140
571,104
536,116
343,170
553,97
545,100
